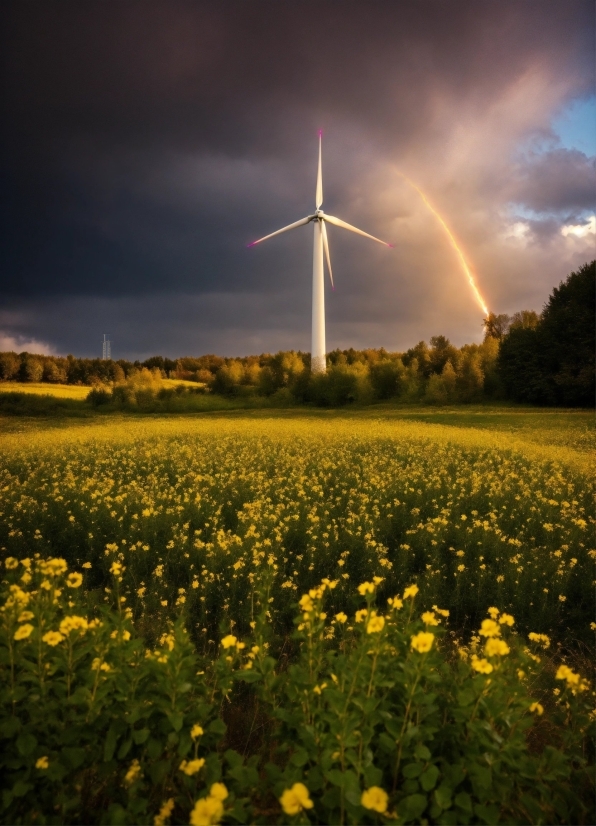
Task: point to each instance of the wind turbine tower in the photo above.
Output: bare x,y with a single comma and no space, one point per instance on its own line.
106,348
320,247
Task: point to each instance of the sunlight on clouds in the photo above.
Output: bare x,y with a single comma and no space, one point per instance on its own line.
518,230
21,344
580,230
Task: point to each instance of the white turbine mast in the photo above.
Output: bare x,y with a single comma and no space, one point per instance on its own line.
321,244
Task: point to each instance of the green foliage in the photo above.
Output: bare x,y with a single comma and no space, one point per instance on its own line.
552,361
377,717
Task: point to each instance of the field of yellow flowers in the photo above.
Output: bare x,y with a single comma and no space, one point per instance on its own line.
301,619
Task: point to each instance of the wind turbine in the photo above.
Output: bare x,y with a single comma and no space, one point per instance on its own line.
319,219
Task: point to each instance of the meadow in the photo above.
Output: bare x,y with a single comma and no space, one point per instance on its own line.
298,616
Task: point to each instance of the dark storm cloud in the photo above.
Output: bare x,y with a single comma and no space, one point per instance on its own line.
145,143
557,181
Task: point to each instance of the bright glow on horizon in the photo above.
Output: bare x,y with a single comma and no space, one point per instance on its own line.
453,242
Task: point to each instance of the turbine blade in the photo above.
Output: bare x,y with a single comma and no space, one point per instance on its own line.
326,248
339,223
319,192
284,229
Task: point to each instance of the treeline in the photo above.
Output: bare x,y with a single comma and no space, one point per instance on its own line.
527,357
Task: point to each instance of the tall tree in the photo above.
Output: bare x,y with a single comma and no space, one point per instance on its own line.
551,361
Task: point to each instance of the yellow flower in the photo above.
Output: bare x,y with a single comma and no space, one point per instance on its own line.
395,602
196,731
296,799
116,568
375,798
565,673
442,611
69,624
496,648
229,641
489,628
341,617
539,638
206,812
42,762
133,773
218,791
375,624
52,637
361,614
306,603
428,618
536,707
422,642
410,591
366,588
191,767
506,619
481,665
25,615
74,580
164,813
86,565
23,632
11,563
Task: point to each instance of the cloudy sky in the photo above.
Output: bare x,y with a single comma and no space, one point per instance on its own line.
146,143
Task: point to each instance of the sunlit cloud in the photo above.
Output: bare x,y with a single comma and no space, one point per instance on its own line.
580,230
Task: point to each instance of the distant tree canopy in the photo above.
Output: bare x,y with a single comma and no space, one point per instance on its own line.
550,359
538,359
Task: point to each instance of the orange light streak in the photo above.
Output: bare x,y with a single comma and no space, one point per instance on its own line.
454,244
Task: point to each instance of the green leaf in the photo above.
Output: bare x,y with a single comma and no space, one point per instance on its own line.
422,752
217,727
464,801
412,770
411,807
233,758
488,814
9,726
428,779
124,748
300,757
331,799
465,697
154,748
373,776
74,757
159,770
386,743
443,795
247,676
110,743
336,777
26,744
315,779
140,735
176,719
273,773
21,788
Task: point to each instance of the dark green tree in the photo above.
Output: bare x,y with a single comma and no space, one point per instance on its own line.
553,361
